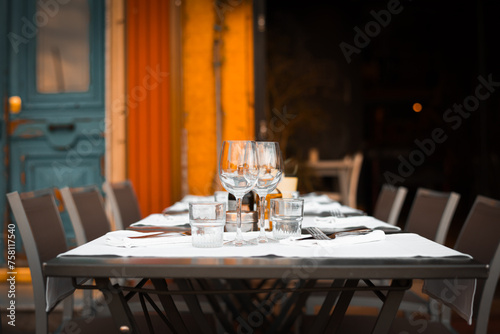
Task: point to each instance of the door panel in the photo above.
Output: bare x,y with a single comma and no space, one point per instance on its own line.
25,52
56,67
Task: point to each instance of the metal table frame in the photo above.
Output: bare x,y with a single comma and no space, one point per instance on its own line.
217,277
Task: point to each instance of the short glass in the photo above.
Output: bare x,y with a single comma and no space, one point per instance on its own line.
207,222
286,215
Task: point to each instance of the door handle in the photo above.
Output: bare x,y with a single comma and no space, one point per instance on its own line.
15,104
61,127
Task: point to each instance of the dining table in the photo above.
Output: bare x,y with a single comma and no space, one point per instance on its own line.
260,288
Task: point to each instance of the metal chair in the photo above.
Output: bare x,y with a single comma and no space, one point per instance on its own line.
431,213
86,211
430,216
124,204
389,203
479,237
41,229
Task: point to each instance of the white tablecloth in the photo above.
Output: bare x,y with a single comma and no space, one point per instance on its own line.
402,245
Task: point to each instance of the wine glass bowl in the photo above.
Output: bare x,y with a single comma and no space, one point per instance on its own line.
270,174
238,173
238,180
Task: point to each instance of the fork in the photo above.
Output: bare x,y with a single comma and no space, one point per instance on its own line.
317,233
337,213
320,235
159,234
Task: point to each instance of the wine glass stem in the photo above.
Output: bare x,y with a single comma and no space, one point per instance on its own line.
262,216
239,235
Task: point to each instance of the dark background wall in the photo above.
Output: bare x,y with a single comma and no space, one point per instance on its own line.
427,52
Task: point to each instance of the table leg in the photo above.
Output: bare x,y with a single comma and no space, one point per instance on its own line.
322,317
169,306
194,306
297,308
341,306
120,311
391,305
219,313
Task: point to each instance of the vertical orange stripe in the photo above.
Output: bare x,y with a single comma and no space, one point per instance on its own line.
165,101
155,108
148,110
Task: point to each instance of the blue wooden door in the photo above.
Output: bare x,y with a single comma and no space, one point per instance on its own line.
56,68
3,138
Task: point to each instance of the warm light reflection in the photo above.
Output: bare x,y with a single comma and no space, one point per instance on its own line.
417,107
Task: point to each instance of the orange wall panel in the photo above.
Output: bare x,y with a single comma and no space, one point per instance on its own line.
237,73
148,151
199,95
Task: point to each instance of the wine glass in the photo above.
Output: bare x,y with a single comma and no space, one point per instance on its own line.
238,173
270,174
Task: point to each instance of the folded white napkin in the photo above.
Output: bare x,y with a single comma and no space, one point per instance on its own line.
195,198
335,224
343,240
125,239
316,198
317,208
183,204
177,207
159,219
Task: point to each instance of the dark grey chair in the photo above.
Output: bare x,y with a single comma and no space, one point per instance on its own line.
86,211
431,213
479,237
40,226
41,229
389,203
430,216
124,204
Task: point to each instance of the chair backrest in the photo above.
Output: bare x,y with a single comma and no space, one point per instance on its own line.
124,203
431,213
389,203
86,211
356,164
41,229
480,237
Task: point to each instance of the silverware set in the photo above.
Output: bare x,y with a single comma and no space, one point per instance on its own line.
160,234
337,213
316,233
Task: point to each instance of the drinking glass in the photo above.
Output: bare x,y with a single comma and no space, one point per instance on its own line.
270,174
207,222
238,173
287,215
